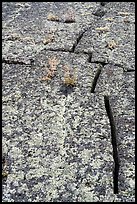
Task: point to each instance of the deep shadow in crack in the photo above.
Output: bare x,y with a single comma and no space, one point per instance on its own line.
114,144
95,80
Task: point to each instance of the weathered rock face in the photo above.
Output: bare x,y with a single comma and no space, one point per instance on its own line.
61,141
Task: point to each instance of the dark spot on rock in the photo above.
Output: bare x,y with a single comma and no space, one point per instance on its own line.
66,89
88,184
103,3
99,12
24,95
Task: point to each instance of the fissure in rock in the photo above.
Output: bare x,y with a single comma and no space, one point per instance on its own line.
7,61
114,144
95,80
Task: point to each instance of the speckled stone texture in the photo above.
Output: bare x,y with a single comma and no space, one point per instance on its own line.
124,113
56,137
58,64
30,29
116,42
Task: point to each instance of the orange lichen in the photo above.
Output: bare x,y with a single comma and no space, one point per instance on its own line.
52,17
53,62
102,29
69,78
111,45
123,13
48,39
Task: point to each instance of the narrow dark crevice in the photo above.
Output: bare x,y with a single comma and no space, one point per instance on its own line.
103,63
90,57
78,39
117,64
99,62
129,70
69,21
95,80
63,21
7,61
114,144
65,50
57,50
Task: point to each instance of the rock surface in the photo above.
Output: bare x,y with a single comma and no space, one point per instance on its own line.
60,60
